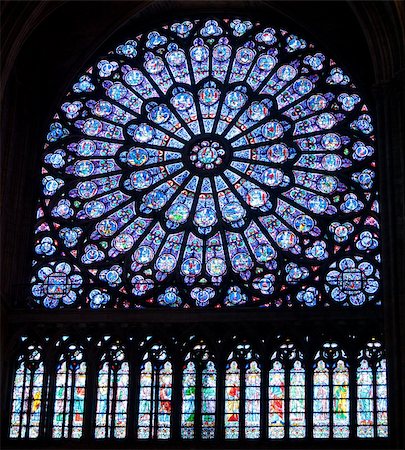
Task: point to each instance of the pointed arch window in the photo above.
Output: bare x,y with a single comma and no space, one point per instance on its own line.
331,393
372,418
28,393
70,390
199,389
242,394
112,394
155,395
286,394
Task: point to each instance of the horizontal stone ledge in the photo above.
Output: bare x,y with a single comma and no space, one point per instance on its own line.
191,316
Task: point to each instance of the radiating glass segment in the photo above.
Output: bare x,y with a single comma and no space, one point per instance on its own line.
297,401
112,397
27,395
276,425
188,401
252,401
321,403
341,403
224,153
155,401
70,392
232,401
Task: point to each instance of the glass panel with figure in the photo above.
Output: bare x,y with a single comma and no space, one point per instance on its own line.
27,394
297,400
188,405
365,400
70,392
276,401
232,400
321,412
208,400
341,417
155,395
242,394
198,394
372,401
252,401
382,398
112,395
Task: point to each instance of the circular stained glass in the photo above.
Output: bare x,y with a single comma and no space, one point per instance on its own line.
205,157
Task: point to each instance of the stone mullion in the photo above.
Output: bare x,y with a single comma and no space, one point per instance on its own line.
90,400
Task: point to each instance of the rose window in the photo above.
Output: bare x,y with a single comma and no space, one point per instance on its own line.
209,163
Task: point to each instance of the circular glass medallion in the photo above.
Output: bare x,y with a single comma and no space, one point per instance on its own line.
178,213
207,155
216,267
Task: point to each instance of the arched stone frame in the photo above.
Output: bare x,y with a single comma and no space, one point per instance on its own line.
112,391
389,110
200,373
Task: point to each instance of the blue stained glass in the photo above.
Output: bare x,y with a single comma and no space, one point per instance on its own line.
372,392
208,400
331,399
221,133
112,395
188,405
365,400
252,401
199,387
155,395
321,406
27,395
242,365
70,392
232,401
297,401
286,394
276,401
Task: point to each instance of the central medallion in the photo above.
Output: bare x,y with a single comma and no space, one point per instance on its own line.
207,155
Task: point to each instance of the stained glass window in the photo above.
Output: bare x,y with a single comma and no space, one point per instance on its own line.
112,394
382,398
208,400
242,394
155,395
199,385
207,163
230,155
372,419
277,400
232,401
188,398
365,397
286,381
343,406
331,393
27,397
70,389
252,401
